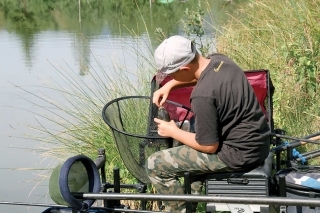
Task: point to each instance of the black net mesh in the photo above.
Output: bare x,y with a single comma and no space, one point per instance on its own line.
135,133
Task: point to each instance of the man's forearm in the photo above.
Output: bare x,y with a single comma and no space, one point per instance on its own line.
177,84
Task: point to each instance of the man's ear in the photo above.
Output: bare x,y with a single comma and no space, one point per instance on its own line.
185,68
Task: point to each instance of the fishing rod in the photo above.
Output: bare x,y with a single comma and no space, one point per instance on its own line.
314,140
307,156
297,141
66,207
31,204
312,202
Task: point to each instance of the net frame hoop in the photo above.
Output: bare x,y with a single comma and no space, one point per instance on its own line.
134,97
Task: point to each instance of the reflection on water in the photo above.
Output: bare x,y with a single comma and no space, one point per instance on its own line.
34,35
90,18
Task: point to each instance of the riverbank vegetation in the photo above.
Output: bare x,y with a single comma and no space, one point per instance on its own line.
284,37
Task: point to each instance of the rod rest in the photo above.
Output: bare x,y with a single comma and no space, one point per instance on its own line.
101,160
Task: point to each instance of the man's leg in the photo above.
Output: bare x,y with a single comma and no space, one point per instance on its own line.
166,166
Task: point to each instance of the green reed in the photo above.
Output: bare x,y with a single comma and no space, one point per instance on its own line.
72,124
283,37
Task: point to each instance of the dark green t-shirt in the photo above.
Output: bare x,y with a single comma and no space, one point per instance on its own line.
227,111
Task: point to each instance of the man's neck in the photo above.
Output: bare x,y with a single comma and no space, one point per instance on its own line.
202,64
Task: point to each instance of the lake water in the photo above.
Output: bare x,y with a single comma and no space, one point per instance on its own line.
27,62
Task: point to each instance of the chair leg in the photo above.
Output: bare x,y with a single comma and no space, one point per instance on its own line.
187,186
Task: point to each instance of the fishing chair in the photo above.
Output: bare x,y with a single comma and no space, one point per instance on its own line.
256,182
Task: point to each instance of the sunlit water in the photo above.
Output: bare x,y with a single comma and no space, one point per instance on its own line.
20,179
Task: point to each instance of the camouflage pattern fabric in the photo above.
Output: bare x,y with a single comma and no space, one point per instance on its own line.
166,166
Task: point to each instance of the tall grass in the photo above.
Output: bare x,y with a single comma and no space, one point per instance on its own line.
283,37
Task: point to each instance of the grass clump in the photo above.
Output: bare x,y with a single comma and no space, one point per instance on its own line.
282,36
71,123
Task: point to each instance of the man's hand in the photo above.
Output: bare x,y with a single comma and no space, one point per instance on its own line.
160,96
166,129
170,129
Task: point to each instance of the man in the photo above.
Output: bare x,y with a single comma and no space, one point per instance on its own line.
231,132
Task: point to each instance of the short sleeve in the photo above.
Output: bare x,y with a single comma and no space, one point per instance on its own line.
206,120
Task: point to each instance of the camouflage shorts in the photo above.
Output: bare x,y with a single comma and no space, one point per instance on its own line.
165,167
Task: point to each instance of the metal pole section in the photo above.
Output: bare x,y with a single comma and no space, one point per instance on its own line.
31,204
311,202
296,139
187,185
79,2
309,155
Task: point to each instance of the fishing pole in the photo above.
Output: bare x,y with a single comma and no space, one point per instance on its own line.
308,156
31,204
312,202
314,140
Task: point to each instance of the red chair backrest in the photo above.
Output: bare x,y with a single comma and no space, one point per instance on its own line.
257,78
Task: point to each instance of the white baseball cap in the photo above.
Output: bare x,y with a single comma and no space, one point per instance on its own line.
173,53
